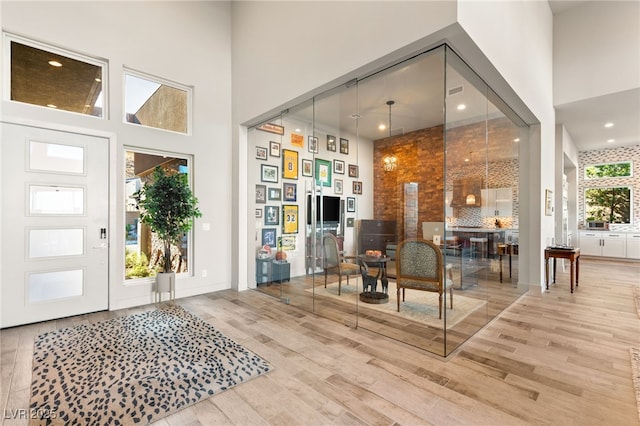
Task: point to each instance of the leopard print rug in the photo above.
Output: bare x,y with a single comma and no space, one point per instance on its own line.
134,369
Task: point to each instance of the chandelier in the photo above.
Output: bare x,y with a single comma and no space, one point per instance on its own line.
389,162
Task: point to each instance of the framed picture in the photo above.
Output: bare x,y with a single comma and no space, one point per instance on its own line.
287,242
258,212
337,186
357,187
307,168
269,173
313,144
548,202
353,170
269,237
271,215
323,172
274,194
338,167
261,153
289,191
344,146
351,204
290,219
261,194
331,143
297,140
271,128
289,164
274,149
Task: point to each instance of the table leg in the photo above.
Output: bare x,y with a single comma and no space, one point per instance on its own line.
577,269
546,272
554,270
500,260
509,264
571,275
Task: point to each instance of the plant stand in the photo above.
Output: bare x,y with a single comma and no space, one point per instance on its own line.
165,282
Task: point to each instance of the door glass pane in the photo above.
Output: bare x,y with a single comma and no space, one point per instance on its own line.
55,285
58,200
55,242
53,157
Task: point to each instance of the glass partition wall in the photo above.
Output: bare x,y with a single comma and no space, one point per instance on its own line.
410,177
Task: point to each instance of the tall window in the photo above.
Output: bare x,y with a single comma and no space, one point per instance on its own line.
611,204
55,78
153,102
143,250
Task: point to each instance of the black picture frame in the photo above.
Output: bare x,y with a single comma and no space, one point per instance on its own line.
271,215
274,194
351,204
289,191
313,144
331,143
274,149
357,187
338,167
353,170
268,173
344,146
261,153
307,168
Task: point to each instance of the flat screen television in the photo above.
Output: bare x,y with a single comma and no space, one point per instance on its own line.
330,209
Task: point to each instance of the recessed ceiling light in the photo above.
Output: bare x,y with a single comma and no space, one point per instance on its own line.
297,130
52,106
98,80
382,127
608,125
516,140
466,160
55,64
610,140
461,107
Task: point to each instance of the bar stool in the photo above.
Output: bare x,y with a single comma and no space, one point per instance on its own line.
475,241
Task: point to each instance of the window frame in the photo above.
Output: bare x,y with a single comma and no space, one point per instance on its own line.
9,37
631,201
587,166
162,81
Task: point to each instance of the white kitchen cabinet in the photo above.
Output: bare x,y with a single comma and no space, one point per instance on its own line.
602,243
496,202
633,246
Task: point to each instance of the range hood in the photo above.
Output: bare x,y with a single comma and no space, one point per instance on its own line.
466,193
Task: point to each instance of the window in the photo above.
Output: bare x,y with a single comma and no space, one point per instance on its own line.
153,102
611,204
55,78
143,250
608,170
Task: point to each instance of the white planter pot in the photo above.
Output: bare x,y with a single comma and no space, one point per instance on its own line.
165,282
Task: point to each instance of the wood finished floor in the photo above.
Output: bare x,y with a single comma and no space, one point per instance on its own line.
551,358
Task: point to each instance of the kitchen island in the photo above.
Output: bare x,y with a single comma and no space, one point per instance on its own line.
494,237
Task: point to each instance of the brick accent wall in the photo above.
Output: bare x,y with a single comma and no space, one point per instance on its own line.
421,159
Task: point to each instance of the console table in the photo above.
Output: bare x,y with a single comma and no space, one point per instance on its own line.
573,254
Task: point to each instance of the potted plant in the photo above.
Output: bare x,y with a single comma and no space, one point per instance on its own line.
168,207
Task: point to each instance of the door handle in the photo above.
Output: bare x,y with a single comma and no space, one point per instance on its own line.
103,233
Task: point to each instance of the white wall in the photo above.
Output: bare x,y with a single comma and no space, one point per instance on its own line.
596,50
516,37
187,42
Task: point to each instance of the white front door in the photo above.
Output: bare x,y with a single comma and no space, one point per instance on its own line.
54,224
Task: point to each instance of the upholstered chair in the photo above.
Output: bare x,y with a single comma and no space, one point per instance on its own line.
335,262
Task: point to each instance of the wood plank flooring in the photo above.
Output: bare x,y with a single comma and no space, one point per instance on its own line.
552,358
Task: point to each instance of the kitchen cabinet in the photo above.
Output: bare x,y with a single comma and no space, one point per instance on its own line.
602,243
497,202
633,246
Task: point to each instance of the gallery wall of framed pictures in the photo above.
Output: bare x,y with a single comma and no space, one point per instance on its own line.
287,164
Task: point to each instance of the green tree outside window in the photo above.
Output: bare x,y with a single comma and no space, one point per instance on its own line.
611,204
